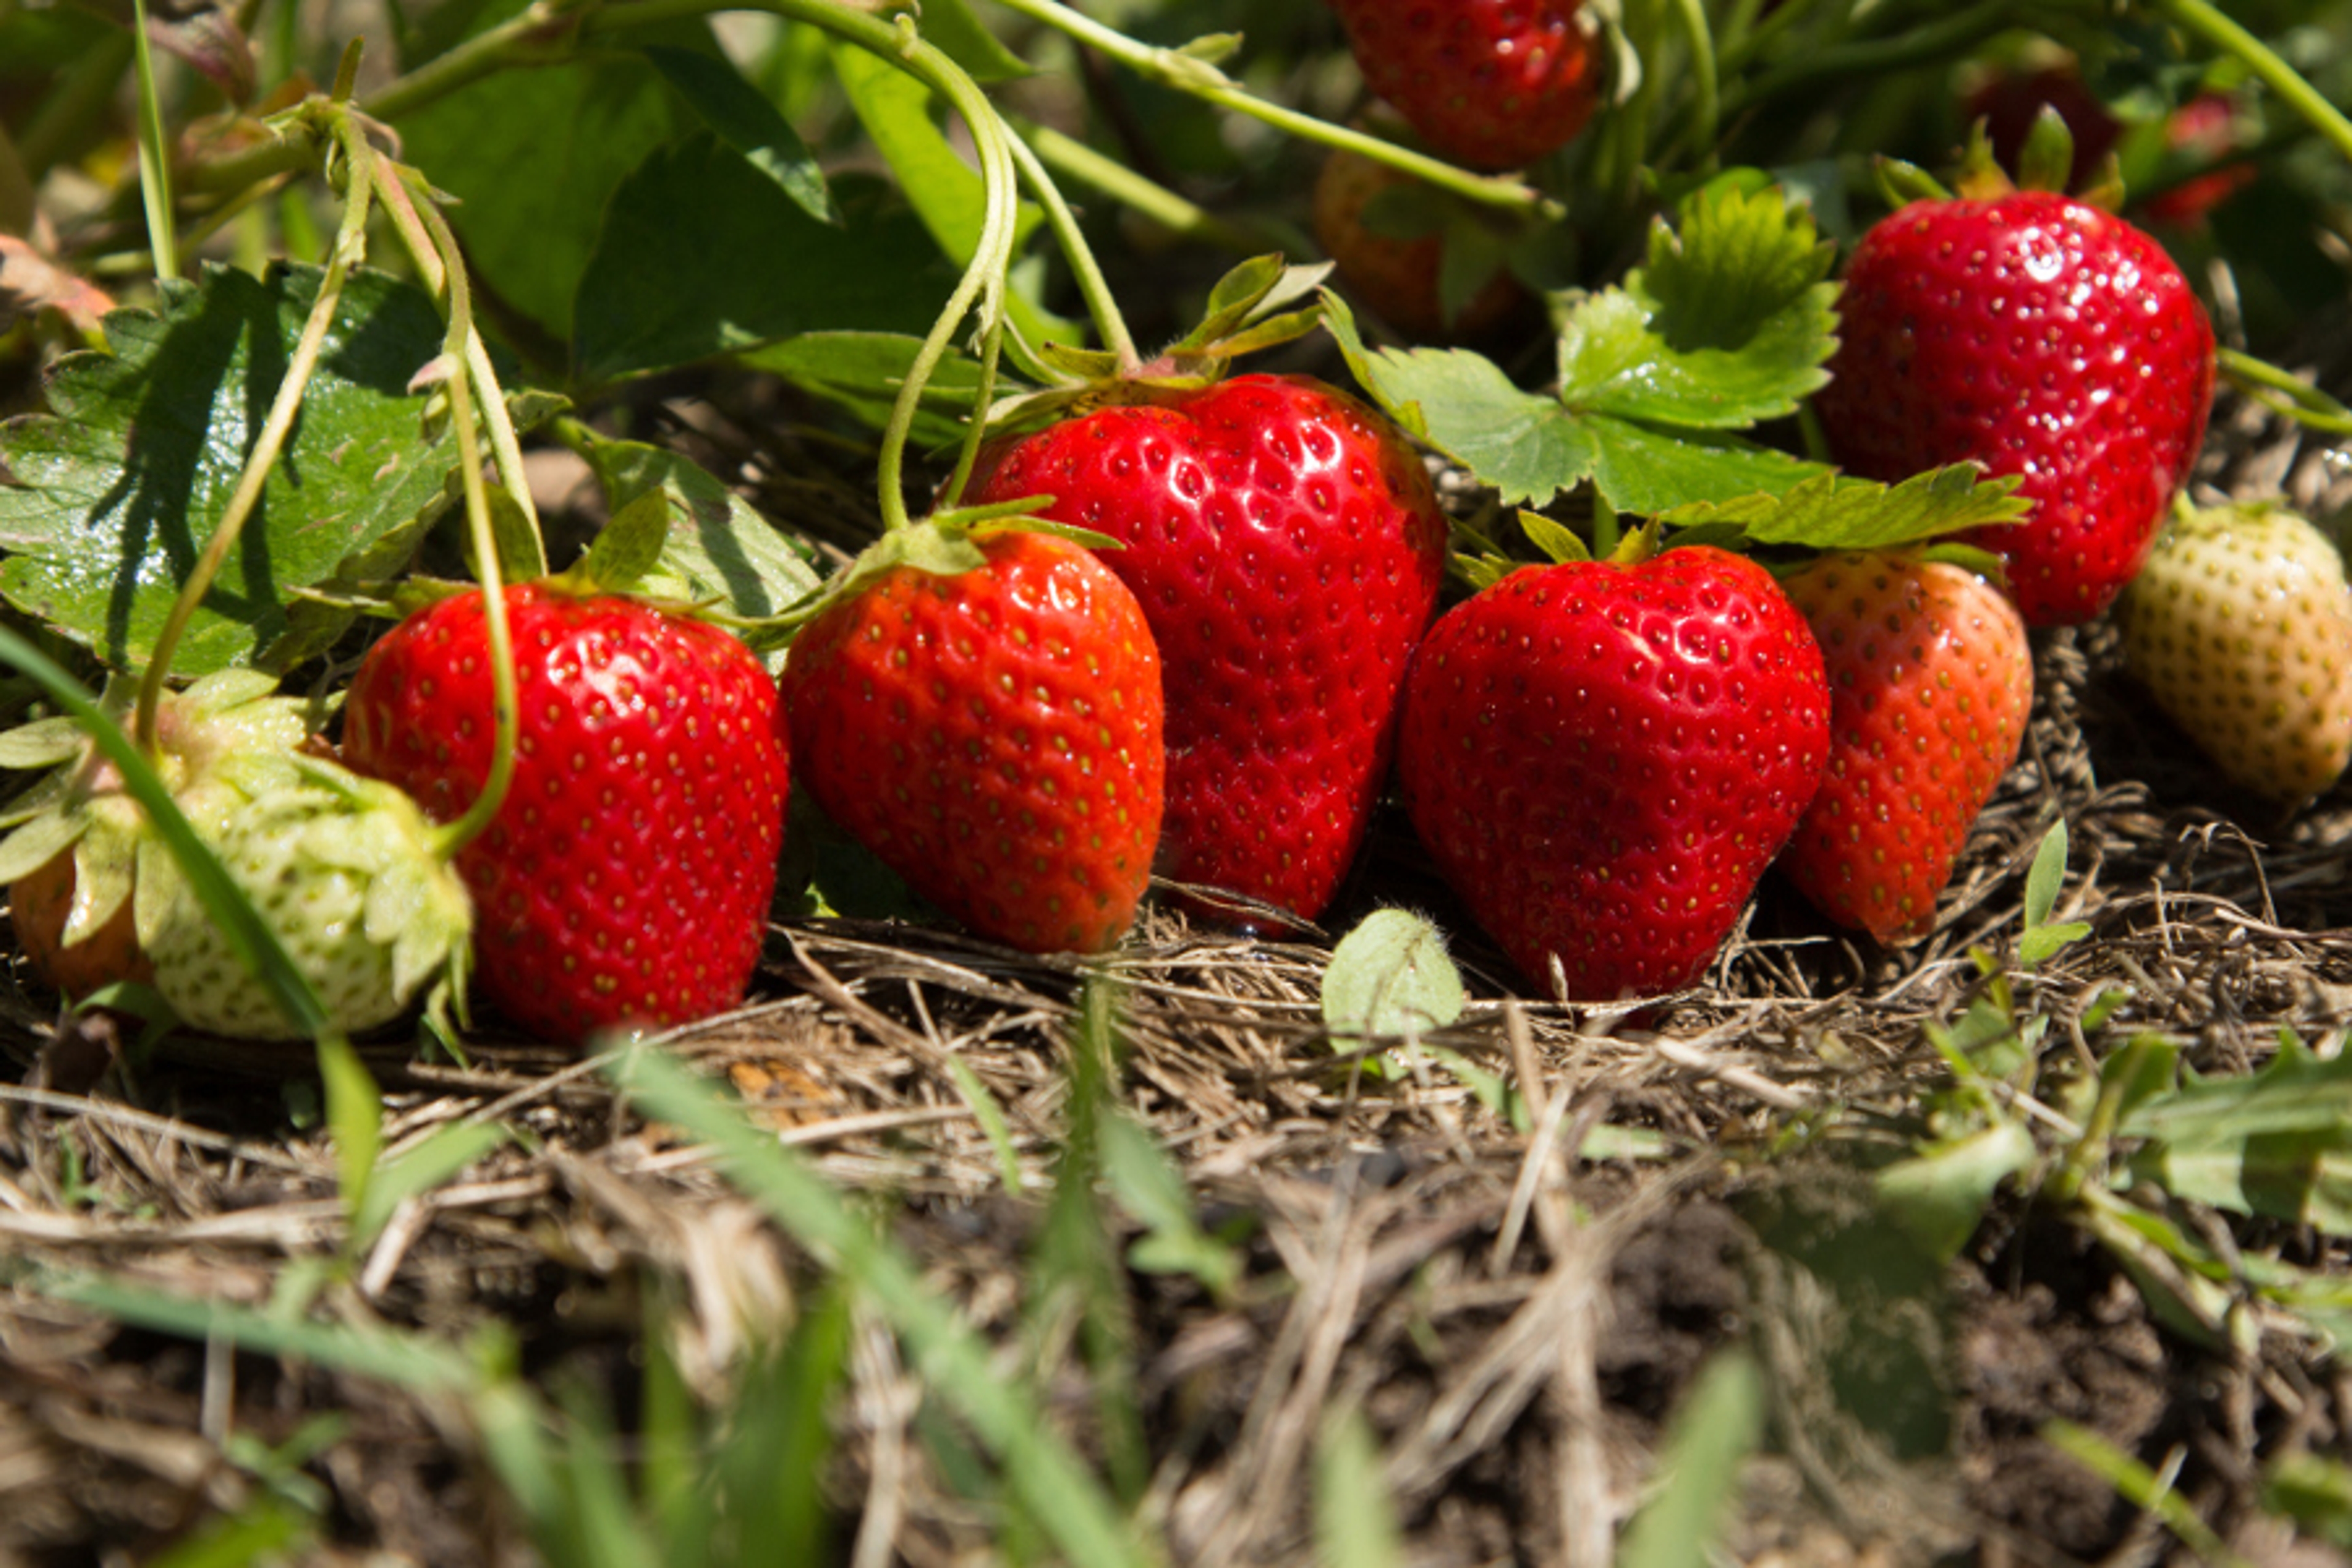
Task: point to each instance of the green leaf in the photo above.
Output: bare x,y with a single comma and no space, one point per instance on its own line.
1554,541
1939,1194
629,545
946,191
719,547
700,255
1525,445
1391,976
2276,1142
744,119
1712,1436
1731,321
2041,940
534,157
1641,469
862,372
1829,512
117,490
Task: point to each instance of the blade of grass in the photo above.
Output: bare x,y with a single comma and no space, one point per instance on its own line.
1713,1434
2143,1488
1062,1496
1355,1523
154,154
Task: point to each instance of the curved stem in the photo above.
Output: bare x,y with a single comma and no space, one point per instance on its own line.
1074,160
1940,39
2211,24
1087,272
351,243
505,703
1203,80
2283,393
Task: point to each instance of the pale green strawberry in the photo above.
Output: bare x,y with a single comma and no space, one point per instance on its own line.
70,860
343,870
2241,625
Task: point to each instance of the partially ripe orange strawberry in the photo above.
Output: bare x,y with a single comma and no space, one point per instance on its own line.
2241,625
1930,686
993,735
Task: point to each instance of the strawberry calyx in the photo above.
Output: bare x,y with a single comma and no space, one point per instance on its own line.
1260,304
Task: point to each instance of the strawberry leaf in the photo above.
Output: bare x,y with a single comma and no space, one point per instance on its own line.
2277,1144
716,546
1391,976
861,372
1831,511
110,497
1731,321
746,120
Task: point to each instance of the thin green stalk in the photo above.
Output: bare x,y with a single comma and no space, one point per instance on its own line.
351,243
1945,38
1074,160
2211,24
1705,98
1197,77
505,703
154,154
1084,269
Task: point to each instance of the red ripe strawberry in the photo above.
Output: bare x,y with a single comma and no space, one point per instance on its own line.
1602,759
2038,336
1286,548
1930,686
1396,278
626,877
993,736
1490,83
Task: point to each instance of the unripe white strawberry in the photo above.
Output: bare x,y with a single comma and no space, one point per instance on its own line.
345,871
2241,625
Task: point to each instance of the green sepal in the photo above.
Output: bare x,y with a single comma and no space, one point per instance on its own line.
39,841
1981,177
2047,160
1079,364
1557,541
42,743
2105,190
626,548
1902,183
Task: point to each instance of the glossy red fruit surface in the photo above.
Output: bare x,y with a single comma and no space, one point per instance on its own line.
1603,759
994,737
1490,83
1286,549
2040,337
1931,683
627,876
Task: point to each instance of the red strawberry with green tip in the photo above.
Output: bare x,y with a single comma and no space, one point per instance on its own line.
991,731
1491,83
1286,548
1602,757
626,877
1931,683
2040,336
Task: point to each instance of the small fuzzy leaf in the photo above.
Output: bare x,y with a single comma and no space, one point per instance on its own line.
1829,512
630,545
1391,976
744,119
2047,876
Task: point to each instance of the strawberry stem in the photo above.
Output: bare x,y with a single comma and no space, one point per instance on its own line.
351,245
2283,393
2211,24
505,703
1705,99
1084,269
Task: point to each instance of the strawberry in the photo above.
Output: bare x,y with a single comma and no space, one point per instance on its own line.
1930,686
79,839
343,870
1286,548
2241,625
1490,83
2205,130
992,734
2038,336
1397,277
1602,758
626,877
